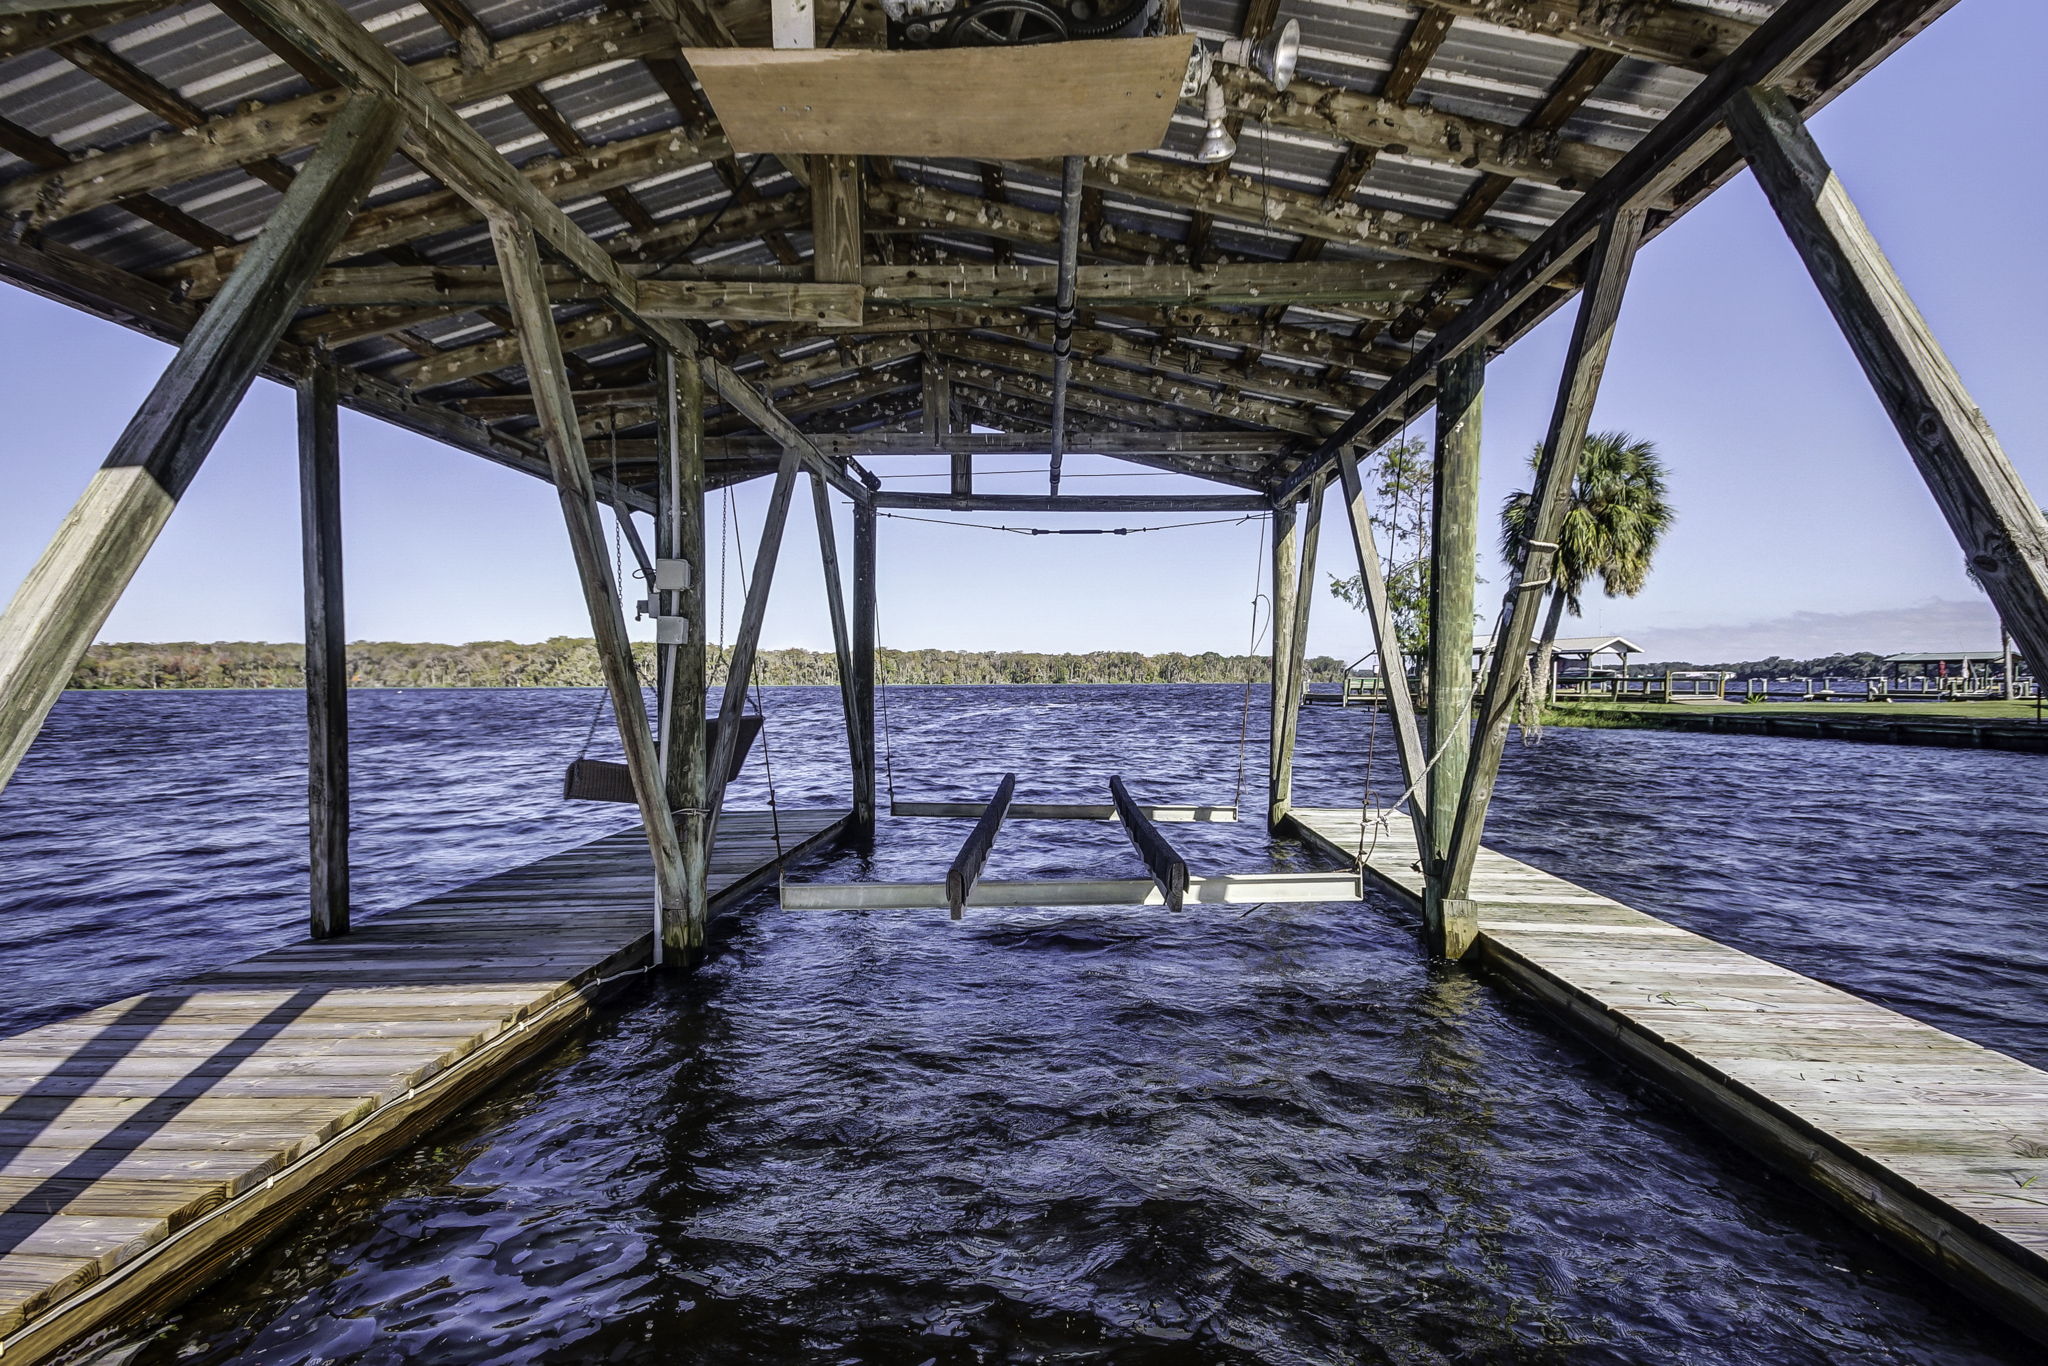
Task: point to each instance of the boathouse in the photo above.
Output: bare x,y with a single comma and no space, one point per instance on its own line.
1239,240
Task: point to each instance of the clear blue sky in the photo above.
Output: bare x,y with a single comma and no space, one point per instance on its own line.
1803,525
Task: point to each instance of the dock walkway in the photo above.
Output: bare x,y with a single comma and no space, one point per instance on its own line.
1937,1143
145,1143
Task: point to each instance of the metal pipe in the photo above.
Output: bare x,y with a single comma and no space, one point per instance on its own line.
1063,306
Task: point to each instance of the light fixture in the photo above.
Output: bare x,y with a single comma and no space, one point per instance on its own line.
1217,144
1273,56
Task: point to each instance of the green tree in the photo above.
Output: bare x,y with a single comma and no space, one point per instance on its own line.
1617,517
1400,475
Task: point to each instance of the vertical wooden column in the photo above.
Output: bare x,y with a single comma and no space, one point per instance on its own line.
864,664
547,376
1386,643
1607,271
1286,538
679,538
835,220
1998,523
68,594
326,653
1297,671
1454,557
842,641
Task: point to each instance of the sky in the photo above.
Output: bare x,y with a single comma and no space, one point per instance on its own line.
1802,527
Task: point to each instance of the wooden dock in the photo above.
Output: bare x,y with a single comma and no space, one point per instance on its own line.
1937,1144
145,1143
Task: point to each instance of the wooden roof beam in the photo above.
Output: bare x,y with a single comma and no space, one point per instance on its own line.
251,136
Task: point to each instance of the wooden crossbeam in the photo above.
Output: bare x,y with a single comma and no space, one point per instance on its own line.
1178,813
1072,502
245,138
1226,889
1681,143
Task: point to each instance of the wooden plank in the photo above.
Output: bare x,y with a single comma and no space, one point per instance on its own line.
326,654
148,1142
835,220
1998,523
986,103
72,588
842,637
1915,1134
967,864
1168,868
1068,502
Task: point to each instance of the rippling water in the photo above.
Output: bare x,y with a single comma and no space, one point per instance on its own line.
1269,1135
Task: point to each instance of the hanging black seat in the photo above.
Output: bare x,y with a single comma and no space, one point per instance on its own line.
601,780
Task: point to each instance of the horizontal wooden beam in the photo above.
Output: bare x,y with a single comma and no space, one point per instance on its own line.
1249,283
748,301
1038,502
1247,444
1416,130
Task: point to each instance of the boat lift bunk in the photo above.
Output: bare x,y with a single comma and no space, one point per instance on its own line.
1169,884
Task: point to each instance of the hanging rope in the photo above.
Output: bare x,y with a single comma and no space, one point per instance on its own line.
1076,531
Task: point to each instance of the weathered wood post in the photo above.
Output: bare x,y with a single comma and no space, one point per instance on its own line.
681,639
864,665
1297,670
68,594
842,641
1607,272
547,374
326,653
1285,539
1454,559
1998,523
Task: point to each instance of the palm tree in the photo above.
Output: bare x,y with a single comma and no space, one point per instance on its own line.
1616,519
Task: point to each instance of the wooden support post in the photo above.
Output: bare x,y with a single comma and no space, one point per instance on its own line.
68,594
967,864
835,220
1285,535
864,665
1585,359
1287,717
937,403
1998,523
1387,644
1169,870
740,666
548,376
679,557
842,639
1454,555
326,653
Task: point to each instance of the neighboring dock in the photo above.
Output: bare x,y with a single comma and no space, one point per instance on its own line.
1904,728
1936,1143
146,1143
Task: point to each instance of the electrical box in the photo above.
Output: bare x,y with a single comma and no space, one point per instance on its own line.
671,631
671,576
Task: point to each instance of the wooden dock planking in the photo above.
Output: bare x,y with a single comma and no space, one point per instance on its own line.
1936,1143
146,1142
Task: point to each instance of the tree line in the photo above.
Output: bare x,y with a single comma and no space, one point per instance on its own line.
571,662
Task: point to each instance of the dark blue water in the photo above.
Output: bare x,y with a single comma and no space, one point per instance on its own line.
1253,1135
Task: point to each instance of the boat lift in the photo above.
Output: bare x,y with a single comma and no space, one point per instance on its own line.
1170,883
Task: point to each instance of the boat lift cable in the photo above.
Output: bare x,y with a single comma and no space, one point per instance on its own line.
1077,531
1063,307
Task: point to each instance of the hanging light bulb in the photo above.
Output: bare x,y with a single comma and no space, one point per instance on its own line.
1217,144
1273,57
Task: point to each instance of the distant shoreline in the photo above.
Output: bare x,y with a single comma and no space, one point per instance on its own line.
570,662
